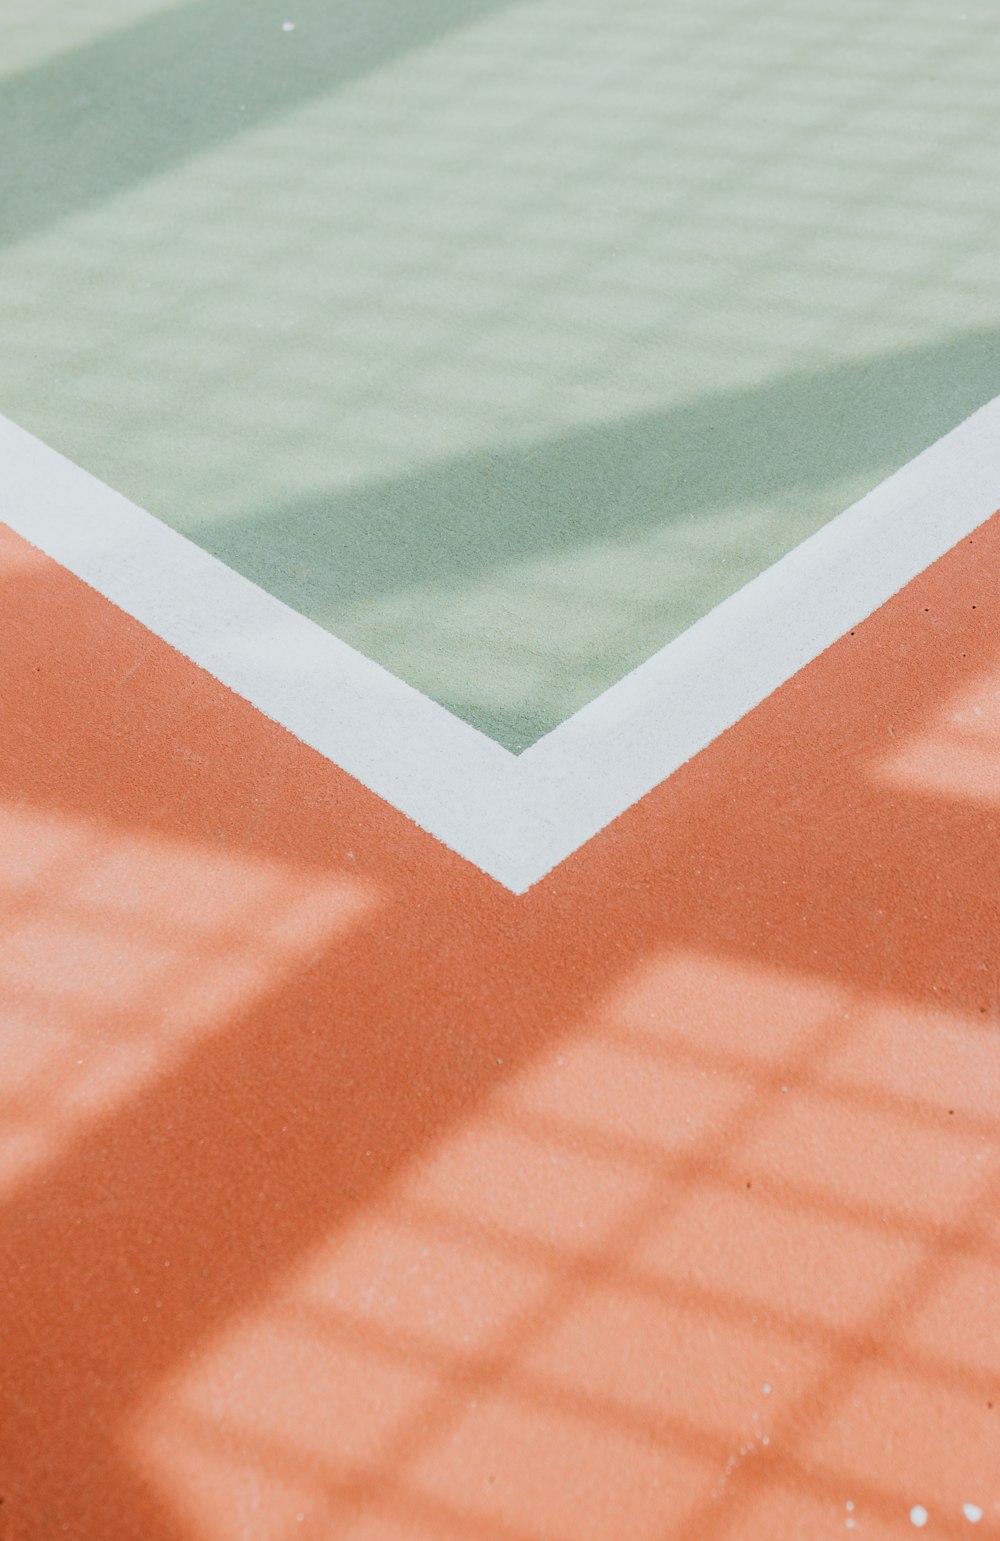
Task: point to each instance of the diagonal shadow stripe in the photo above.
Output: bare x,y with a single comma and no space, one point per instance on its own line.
460,519
86,125
446,530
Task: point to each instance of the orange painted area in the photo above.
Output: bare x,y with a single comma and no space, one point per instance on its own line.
345,1195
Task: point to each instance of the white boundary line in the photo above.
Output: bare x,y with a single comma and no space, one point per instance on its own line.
514,816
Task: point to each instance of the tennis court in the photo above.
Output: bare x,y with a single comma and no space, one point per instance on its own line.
499,994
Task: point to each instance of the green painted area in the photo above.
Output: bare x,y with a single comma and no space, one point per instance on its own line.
504,340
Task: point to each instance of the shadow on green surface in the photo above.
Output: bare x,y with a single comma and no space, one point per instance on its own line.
88,124
513,584
452,526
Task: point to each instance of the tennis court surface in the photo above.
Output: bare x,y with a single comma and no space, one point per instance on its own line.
500,771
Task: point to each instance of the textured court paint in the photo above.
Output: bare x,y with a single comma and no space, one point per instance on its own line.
503,340
36,34
660,1201
515,818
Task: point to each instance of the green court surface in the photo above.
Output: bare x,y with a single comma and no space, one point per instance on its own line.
503,340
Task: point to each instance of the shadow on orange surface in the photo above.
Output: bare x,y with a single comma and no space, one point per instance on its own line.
659,1202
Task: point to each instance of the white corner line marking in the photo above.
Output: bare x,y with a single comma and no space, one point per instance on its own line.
514,816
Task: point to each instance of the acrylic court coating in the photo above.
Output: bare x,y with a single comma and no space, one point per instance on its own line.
499,771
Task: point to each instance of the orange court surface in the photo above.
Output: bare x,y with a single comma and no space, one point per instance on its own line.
347,1194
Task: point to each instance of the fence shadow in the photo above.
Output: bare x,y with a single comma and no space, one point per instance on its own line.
710,1006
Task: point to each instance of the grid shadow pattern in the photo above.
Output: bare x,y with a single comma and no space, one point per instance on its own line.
663,1199
508,355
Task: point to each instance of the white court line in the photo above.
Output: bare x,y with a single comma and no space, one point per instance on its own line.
513,816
